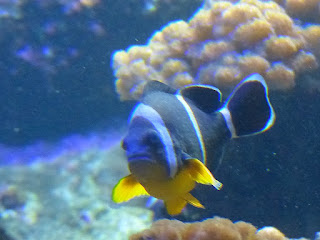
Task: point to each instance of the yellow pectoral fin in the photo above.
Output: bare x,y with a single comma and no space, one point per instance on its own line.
127,188
175,206
193,201
201,174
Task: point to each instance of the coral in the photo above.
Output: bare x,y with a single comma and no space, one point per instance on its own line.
37,203
302,8
221,44
270,233
281,48
211,229
280,71
4,235
18,203
151,6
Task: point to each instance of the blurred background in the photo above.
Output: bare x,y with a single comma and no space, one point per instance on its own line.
55,68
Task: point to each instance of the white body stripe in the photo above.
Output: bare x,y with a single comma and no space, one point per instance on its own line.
154,117
195,126
227,117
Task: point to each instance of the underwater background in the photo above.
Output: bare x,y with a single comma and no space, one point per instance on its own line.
62,119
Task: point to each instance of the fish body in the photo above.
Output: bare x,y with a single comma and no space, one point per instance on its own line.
174,136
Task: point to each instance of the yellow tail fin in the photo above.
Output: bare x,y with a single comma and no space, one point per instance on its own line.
201,174
127,188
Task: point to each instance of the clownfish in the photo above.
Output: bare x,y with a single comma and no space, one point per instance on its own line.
174,135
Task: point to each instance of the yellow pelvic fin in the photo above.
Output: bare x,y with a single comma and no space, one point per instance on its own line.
193,201
175,206
201,174
127,188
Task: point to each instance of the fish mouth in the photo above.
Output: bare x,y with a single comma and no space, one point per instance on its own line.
139,157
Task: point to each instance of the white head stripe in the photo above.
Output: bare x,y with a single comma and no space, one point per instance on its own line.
227,117
154,117
195,126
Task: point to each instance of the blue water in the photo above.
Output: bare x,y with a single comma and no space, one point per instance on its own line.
57,86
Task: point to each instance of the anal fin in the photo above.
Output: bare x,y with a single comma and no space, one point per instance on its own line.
193,201
175,206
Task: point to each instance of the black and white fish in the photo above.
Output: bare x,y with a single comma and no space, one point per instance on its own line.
174,135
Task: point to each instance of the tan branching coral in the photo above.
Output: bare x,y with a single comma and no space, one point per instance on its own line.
303,8
221,44
211,229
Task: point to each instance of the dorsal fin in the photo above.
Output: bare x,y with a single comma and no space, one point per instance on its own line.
156,86
205,97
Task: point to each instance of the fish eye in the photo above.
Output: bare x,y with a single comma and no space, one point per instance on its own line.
124,145
152,139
